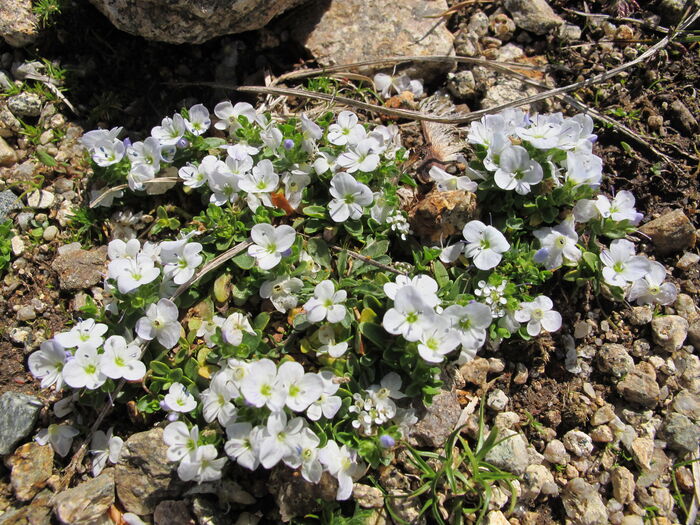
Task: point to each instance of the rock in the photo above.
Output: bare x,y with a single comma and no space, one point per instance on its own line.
26,313
687,404
538,480
18,415
182,21
84,504
442,213
672,232
38,512
694,334
687,261
604,414
50,233
533,15
25,105
507,420
295,496
502,26
632,519
8,202
602,434
172,513
641,315
669,331
17,245
8,156
41,199
638,387
682,117
31,465
583,504
6,83
671,11
681,434
397,28
18,23
578,443
569,32
475,371
408,510
462,84
144,476
9,125
478,24
510,454
80,269
438,421
685,307
614,359
623,485
555,452
642,450
367,497
496,517
497,400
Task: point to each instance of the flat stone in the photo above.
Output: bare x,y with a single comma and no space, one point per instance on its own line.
687,404
18,23
555,453
437,421
602,434
583,503
367,497
338,32
18,415
682,118
442,213
497,400
604,414
623,485
669,331
613,359
85,503
25,105
642,450
41,199
38,512
475,371
672,232
8,156
80,269
578,443
681,433
172,513
641,315
8,202
496,517
32,465
537,480
638,387
510,454
687,261
144,476
535,16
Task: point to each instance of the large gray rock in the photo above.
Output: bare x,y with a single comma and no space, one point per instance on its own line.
84,504
18,415
346,31
18,24
681,433
533,15
144,476
79,269
190,21
437,422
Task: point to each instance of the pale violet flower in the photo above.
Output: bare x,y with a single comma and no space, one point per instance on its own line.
343,464
620,209
170,130
243,444
201,465
446,182
84,370
327,303
584,168
426,286
270,244
216,400
326,335
147,153
121,360
349,198
224,187
328,404
558,245
517,171
620,264
198,176
198,122
59,436
279,439
542,133
361,157
181,441
92,138
104,447
302,388
538,315
108,152
85,334
483,131
347,130
132,273
160,323
437,340
651,289
385,84
259,183
233,327
180,265
178,399
260,386
470,322
281,292
305,455
485,245
228,115
47,364
409,316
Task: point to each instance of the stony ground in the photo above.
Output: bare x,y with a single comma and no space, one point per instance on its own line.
604,416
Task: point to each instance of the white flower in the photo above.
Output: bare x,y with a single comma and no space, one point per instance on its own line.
558,245
409,316
260,386
281,292
270,244
385,84
302,389
198,122
327,405
178,399
180,265
349,198
118,249
305,455
542,134
259,184
224,187
326,303
198,176
492,295
311,133
233,328
228,113
160,323
181,441
437,340
342,463
326,335
271,137
362,157
121,360
132,273
60,437
584,168
243,444
104,447
47,364
216,400
170,130
346,131
517,171
621,265
483,131
84,370
446,182
426,286
279,438
539,315
470,322
485,244
85,334
620,209
201,465
294,184
92,138
651,289
108,152
147,153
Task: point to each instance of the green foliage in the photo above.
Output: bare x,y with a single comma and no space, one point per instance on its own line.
47,11
5,245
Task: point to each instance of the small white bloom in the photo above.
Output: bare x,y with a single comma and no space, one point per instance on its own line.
178,399
243,444
347,130
104,447
349,198
485,245
342,463
260,386
47,364
446,182
302,388
85,334
409,316
198,122
228,115
326,335
259,183
279,438
326,303
437,340
132,273
621,265
281,292
108,152
426,286
201,465
584,168
305,455
362,157
170,130
517,171
216,400
471,323
558,245
327,405
60,437
651,289
539,315
84,370
270,244
121,360
181,441
233,328
198,176
160,323
181,265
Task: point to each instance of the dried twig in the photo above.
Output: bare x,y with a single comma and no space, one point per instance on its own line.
366,259
115,189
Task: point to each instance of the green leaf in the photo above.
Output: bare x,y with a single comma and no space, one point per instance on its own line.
175,375
191,368
441,276
46,159
591,259
261,320
160,368
318,250
354,228
212,143
375,248
244,261
375,333
318,212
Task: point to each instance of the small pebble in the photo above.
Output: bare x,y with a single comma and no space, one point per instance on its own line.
17,245
50,233
497,400
687,261
578,443
40,199
26,313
